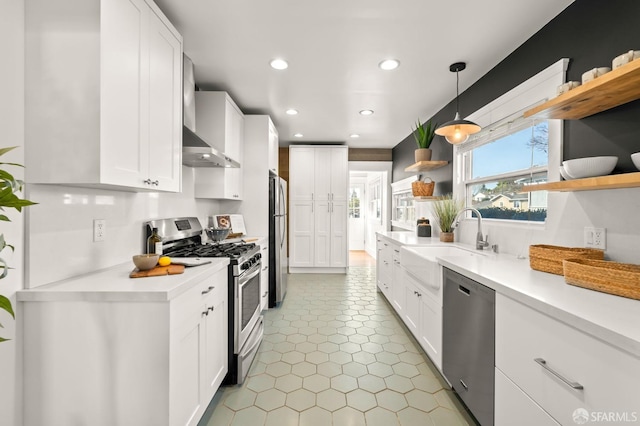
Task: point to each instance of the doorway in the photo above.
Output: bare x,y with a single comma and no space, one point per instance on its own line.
369,207
357,213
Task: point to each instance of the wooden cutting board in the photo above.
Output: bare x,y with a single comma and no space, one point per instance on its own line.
157,271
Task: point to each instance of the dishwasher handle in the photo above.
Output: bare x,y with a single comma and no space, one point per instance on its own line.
462,289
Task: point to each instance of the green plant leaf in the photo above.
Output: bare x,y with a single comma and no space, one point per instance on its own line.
2,339
5,218
5,304
5,271
5,150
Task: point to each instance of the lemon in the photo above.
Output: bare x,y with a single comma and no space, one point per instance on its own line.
164,261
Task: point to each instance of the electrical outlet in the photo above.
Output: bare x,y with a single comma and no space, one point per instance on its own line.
595,237
99,229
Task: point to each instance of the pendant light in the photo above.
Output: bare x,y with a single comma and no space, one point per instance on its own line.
457,131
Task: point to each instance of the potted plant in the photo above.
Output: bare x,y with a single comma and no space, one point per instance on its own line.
8,187
446,208
423,135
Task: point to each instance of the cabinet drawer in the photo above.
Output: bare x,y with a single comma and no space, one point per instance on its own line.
204,294
539,353
514,406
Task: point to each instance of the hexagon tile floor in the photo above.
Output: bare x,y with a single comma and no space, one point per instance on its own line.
335,353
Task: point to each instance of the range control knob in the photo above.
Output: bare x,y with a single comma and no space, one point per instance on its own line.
258,256
245,265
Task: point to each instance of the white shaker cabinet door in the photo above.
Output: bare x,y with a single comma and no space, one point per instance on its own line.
301,173
339,173
187,366
124,95
165,116
301,229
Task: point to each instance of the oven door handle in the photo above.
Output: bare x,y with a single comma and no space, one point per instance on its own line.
255,270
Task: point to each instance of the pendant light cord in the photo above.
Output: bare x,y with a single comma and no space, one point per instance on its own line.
457,93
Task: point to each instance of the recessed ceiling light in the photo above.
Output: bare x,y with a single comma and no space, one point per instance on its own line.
292,111
298,135
354,135
389,64
279,64
366,112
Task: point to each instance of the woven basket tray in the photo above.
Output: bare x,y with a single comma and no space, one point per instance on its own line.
621,279
422,189
548,258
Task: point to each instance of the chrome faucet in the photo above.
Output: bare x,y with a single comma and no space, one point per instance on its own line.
481,243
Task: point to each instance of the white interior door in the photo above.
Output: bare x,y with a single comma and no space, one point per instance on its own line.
357,214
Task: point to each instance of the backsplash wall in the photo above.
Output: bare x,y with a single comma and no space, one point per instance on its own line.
60,228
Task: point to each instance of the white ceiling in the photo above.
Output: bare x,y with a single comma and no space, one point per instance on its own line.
333,48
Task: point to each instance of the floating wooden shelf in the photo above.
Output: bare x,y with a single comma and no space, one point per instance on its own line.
610,90
423,166
624,180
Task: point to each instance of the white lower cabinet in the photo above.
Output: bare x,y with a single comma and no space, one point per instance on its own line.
108,363
514,406
384,268
561,368
397,278
423,317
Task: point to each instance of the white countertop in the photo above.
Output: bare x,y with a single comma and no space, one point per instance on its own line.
610,318
114,285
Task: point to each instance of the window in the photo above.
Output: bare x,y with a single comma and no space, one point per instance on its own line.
512,151
354,202
500,165
375,200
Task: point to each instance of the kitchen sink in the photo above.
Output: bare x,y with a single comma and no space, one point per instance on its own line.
422,262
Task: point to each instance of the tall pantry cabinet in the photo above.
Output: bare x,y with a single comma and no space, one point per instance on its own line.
318,187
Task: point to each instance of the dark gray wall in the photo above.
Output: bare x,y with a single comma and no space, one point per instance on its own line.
589,32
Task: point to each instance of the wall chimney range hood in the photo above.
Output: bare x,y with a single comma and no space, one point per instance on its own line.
195,151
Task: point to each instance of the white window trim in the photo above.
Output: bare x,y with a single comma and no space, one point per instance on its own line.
509,107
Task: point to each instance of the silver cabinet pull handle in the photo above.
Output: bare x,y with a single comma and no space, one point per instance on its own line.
147,181
208,290
211,308
155,182
327,207
464,385
573,385
265,294
205,313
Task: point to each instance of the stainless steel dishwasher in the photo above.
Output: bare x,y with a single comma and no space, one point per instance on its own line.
468,343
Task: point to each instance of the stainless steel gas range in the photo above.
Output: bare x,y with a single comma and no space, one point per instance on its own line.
183,238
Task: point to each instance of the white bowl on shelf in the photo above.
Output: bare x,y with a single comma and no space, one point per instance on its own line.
636,160
590,166
564,173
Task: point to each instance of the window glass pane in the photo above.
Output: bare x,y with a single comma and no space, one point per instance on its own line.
518,151
503,199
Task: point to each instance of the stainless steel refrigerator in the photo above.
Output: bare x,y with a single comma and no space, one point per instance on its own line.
278,261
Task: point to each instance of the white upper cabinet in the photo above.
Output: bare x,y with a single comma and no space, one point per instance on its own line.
220,123
301,166
104,103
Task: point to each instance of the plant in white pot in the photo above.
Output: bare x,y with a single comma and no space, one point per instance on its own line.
423,135
446,208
